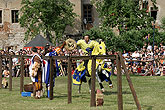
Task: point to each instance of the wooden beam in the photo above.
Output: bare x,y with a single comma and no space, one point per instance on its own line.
105,56
119,84
93,77
130,82
51,78
69,80
10,71
22,74
97,57
0,71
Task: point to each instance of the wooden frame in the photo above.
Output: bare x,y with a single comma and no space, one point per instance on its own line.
120,62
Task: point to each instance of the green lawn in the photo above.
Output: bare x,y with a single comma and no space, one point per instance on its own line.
150,92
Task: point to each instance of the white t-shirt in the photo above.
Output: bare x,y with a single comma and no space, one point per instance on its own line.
135,55
149,47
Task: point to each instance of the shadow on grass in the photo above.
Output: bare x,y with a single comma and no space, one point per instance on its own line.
73,96
147,107
111,93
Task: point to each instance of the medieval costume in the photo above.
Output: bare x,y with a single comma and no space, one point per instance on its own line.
36,74
102,71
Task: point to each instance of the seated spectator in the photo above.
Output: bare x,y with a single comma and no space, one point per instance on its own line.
6,72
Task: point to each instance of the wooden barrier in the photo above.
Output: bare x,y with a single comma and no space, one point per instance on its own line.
118,58
0,71
129,82
22,74
119,84
10,71
51,77
69,81
93,77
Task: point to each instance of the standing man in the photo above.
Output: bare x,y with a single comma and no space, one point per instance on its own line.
84,45
36,73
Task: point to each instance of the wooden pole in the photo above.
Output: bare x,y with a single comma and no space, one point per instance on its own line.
130,82
51,78
69,81
119,84
22,74
10,70
93,77
0,71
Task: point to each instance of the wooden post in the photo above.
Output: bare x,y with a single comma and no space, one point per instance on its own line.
51,78
10,70
130,82
119,84
69,81
113,67
0,71
22,74
93,77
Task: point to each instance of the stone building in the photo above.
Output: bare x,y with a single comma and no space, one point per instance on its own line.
157,13
12,35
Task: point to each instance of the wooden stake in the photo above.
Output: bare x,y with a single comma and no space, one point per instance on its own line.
69,81
0,71
130,82
93,77
119,84
10,71
51,78
22,74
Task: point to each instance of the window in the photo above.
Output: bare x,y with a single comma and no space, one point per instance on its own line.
154,12
0,16
87,12
14,14
145,4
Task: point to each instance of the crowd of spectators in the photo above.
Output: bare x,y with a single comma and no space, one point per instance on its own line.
146,61
142,62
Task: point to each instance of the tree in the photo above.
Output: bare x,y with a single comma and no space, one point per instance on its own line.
132,22
46,16
163,24
123,14
112,41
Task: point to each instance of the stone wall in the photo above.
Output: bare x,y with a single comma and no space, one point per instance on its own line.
11,34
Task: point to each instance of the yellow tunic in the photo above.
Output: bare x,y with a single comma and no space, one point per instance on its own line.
83,45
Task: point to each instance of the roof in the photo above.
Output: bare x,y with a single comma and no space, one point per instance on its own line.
38,41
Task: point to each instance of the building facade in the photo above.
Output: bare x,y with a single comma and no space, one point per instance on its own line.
12,35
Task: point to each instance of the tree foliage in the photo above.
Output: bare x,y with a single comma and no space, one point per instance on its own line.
112,41
129,41
163,24
46,16
123,14
133,23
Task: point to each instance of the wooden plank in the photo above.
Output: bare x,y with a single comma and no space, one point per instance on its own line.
4,56
130,82
0,71
97,57
51,77
10,71
65,57
119,84
81,57
22,74
69,81
60,57
105,56
93,78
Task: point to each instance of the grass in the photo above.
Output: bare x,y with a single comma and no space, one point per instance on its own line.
150,92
